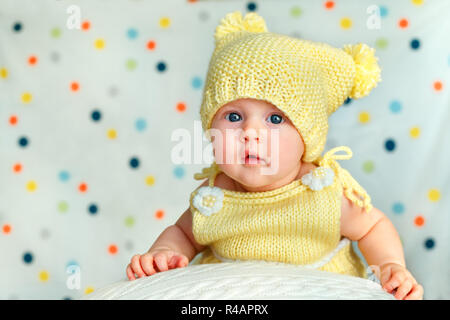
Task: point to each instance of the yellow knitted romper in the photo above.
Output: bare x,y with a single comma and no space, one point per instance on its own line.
292,224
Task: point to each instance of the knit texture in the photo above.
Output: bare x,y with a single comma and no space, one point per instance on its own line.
292,224
306,80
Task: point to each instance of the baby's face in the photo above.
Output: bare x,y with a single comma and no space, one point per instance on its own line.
247,129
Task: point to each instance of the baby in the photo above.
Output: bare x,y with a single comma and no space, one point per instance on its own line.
270,195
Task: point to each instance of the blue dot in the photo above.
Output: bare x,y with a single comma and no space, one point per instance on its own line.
179,172
347,101
93,209
141,124
134,163
132,33
429,243
72,263
96,115
395,106
17,27
64,176
197,82
67,298
389,145
383,11
398,208
28,257
23,141
415,44
251,6
161,66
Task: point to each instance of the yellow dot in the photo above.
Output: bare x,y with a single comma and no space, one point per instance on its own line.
3,73
414,132
43,276
346,23
164,22
88,290
26,97
434,195
99,43
31,186
364,117
417,2
112,134
150,180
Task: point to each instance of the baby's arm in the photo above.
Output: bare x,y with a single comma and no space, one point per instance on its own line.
380,245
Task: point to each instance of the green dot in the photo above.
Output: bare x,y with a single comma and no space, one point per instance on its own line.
296,12
368,166
131,64
381,43
63,206
129,221
55,32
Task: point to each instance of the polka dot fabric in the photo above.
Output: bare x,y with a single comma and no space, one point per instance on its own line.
86,117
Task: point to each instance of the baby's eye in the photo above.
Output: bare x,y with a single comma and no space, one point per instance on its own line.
233,117
276,119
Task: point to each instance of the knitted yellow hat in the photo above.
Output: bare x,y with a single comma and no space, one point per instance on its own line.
306,80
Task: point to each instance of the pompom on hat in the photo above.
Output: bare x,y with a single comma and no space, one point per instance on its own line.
306,80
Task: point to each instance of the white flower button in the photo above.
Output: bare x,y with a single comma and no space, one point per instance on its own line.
208,200
318,178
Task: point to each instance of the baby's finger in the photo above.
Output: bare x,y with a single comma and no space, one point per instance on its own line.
394,282
183,261
130,273
161,262
404,289
385,276
147,264
416,293
136,266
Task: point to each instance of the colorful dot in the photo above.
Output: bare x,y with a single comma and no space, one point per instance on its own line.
417,2
13,120
32,60
23,141
129,221
395,106
63,206
437,85
26,97
4,73
28,257
64,176
347,101
85,25
197,82
419,221
329,5
141,124
389,145
55,32
88,290
164,22
99,44
414,132
96,115
131,64
134,163
150,180
17,27
6,228
74,86
159,214
112,249
368,166
82,187
151,45
383,11
434,195
17,168
93,209
179,172
381,43
251,6
398,207
429,243
296,12
31,186
415,44
111,134
364,117
403,23
346,23
161,66
132,33
181,107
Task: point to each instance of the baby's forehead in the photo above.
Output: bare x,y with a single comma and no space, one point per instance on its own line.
250,103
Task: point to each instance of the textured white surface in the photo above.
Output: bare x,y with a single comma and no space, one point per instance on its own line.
243,280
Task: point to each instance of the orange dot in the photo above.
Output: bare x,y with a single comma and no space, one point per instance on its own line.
17,167
85,25
32,60
74,86
437,85
13,120
159,214
419,221
403,23
83,187
192,1
329,5
112,249
6,228
151,45
181,107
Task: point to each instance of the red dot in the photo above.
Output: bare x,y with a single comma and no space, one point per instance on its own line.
74,86
82,187
13,120
6,228
419,221
181,107
329,5
151,45
112,249
32,60
192,1
437,85
403,23
85,25
159,214
17,167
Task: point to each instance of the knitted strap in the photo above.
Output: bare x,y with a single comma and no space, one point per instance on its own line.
209,172
315,265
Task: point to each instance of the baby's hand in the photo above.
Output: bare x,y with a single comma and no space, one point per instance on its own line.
154,261
396,277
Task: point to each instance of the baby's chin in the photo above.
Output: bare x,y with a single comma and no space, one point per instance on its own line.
251,176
